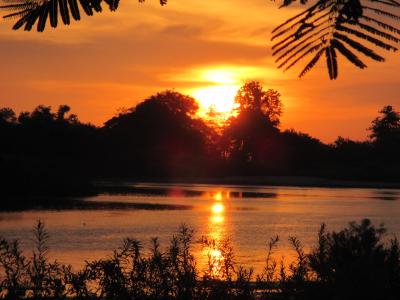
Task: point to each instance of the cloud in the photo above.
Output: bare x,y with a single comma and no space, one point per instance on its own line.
117,59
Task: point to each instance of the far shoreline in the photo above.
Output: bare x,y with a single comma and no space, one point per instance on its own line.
72,199
288,181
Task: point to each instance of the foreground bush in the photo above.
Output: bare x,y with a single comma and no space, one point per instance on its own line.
353,263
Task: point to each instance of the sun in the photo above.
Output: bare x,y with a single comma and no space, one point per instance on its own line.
216,88
220,92
221,98
219,76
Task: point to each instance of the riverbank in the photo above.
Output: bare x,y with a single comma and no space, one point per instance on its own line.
65,203
48,195
289,181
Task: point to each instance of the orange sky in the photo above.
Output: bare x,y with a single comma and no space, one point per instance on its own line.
115,60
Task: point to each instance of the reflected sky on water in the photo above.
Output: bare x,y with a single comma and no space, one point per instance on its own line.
248,215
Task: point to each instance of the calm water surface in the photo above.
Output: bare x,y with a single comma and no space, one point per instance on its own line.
249,215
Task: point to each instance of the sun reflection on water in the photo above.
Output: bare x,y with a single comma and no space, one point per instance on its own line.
217,208
217,219
216,234
217,196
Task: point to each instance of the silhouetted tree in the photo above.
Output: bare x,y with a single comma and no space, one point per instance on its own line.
46,152
8,132
252,98
386,126
216,119
352,152
251,139
386,139
160,136
303,154
352,159
7,115
62,110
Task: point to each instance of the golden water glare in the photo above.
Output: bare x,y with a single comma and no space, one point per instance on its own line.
216,233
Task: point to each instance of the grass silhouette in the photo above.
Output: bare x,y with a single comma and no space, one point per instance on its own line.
357,262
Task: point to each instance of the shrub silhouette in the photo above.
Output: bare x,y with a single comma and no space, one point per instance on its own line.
353,263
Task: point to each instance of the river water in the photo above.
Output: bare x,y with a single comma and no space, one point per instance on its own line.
248,215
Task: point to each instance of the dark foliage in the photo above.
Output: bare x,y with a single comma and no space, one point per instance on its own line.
43,152
354,263
251,139
160,137
304,153
326,28
30,12
251,97
46,153
386,127
331,27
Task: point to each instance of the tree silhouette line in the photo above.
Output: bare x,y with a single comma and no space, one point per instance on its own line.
163,138
325,28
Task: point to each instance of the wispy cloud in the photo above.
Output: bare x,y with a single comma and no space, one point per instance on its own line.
117,59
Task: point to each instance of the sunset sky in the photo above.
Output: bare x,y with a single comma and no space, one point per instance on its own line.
115,60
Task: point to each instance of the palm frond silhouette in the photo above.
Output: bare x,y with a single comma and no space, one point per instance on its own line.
326,28
329,27
30,12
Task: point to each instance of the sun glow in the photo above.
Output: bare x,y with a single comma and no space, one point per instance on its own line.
217,208
220,98
213,250
219,95
219,76
215,87
217,196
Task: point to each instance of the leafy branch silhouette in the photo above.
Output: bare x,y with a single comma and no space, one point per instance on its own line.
328,27
31,11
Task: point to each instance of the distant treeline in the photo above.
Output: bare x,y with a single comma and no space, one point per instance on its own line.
163,138
352,264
